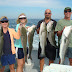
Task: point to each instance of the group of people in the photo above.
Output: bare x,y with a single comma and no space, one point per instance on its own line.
59,26
10,49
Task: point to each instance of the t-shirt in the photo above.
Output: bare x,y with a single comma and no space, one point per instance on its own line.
7,43
60,25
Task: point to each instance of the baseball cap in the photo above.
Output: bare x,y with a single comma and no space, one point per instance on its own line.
67,8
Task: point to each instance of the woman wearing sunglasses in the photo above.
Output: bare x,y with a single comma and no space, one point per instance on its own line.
22,19
8,56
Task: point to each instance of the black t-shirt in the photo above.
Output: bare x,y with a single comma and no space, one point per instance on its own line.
7,43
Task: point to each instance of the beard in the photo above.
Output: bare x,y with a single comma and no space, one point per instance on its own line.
47,17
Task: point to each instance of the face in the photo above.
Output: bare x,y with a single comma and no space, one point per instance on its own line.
67,13
4,24
23,20
48,14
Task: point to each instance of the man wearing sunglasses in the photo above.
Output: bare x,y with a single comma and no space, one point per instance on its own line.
50,51
61,24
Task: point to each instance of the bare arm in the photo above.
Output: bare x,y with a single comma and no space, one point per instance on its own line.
59,33
17,34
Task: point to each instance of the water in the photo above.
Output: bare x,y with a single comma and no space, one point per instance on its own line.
12,24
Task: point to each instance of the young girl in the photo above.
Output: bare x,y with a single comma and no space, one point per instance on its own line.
19,48
8,56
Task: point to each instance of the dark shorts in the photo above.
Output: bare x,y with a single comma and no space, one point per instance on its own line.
50,51
8,59
20,53
68,53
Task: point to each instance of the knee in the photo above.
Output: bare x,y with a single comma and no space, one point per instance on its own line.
11,68
70,59
51,60
20,64
3,68
41,61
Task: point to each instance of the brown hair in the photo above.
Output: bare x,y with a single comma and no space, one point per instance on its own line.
18,20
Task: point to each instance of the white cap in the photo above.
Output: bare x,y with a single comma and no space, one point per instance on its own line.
22,16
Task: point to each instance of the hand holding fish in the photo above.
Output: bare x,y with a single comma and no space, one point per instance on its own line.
31,31
63,29
59,33
64,42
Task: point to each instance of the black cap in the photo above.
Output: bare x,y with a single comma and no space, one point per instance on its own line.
67,8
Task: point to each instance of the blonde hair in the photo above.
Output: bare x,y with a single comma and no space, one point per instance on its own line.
18,20
4,17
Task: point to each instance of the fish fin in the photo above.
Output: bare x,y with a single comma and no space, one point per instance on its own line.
65,39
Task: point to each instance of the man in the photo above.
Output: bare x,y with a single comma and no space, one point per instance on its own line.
50,51
61,24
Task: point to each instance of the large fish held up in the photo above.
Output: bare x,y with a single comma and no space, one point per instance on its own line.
1,42
50,33
23,31
42,37
64,43
31,31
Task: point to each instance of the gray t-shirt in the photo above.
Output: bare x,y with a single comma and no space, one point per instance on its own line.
61,24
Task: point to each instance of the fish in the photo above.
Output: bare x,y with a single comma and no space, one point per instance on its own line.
31,31
1,42
50,34
23,31
42,37
64,43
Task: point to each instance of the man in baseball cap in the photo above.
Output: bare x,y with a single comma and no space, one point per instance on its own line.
61,24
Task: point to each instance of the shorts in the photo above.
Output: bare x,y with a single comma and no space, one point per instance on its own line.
20,53
50,51
8,59
69,52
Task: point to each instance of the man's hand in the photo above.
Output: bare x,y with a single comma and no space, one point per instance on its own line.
59,33
38,30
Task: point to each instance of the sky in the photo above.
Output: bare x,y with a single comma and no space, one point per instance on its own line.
34,9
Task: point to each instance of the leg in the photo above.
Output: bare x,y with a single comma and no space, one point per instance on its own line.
24,60
12,68
41,59
70,60
50,61
41,64
0,70
20,64
59,61
3,68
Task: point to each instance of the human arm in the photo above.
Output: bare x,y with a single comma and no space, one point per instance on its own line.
59,28
17,34
38,26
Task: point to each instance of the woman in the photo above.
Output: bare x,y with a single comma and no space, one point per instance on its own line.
8,56
22,19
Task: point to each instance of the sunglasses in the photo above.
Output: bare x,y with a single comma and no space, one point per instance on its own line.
4,21
23,18
67,11
47,13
